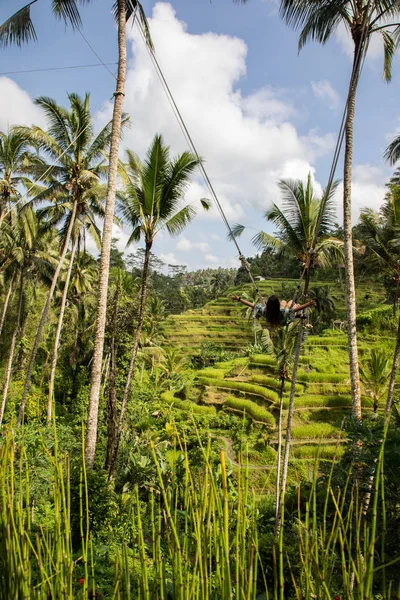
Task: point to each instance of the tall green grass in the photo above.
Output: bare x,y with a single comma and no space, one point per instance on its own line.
196,538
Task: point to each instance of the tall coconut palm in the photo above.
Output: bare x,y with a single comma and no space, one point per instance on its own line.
72,161
31,253
304,223
151,202
123,10
15,157
362,18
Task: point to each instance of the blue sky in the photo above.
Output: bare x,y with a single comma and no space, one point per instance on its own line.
256,109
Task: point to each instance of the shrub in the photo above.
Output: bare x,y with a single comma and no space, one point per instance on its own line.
253,410
241,386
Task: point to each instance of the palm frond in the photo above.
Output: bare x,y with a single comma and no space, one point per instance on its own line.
19,28
205,203
67,10
176,224
263,240
317,20
389,49
392,152
236,231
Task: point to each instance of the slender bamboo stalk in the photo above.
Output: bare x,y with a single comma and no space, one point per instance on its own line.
7,375
54,359
44,314
6,302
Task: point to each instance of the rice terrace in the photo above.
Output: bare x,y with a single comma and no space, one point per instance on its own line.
200,300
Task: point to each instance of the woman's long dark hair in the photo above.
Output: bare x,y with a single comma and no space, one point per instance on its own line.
273,311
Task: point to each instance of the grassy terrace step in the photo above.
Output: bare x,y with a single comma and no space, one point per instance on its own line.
274,383
315,430
187,405
328,450
314,377
251,409
256,390
331,401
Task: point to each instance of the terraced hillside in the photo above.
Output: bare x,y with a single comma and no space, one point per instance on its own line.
221,321
249,385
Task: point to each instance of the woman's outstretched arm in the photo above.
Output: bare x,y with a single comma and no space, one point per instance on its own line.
242,301
299,307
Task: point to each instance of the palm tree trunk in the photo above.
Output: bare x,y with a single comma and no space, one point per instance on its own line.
45,311
6,302
279,461
58,331
348,239
393,374
93,408
133,359
7,375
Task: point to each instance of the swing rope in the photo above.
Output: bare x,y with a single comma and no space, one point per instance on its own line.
356,71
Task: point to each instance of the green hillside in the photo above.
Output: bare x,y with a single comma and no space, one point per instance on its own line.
249,385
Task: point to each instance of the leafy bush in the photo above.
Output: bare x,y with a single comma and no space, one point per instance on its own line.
377,319
253,410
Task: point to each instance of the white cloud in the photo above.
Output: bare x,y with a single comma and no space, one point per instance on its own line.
170,259
323,90
247,142
211,259
186,245
16,106
367,190
266,104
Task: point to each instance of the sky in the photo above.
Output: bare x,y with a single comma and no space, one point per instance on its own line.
256,109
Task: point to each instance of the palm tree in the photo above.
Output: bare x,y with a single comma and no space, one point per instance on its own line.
362,18
31,253
19,29
124,9
381,236
15,157
375,375
304,223
150,203
72,161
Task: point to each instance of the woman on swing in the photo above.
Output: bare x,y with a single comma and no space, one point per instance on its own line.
277,312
